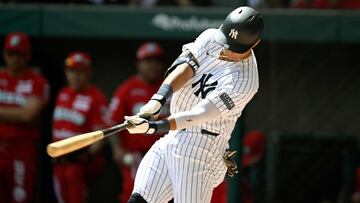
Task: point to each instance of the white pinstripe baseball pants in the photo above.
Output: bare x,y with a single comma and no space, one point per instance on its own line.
182,165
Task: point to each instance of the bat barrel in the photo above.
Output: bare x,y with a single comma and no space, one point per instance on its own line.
71,144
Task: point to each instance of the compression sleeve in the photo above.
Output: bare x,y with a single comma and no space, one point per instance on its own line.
202,112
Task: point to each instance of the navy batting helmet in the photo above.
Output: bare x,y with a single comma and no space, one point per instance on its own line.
240,30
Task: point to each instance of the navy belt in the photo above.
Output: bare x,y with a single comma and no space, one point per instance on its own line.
205,132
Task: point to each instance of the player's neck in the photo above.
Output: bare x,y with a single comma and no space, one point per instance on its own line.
234,57
80,88
16,72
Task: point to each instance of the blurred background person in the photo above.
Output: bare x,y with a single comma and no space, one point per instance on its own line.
253,153
220,193
132,94
355,197
80,108
23,95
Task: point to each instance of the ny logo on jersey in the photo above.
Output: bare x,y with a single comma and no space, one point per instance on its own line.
233,33
204,88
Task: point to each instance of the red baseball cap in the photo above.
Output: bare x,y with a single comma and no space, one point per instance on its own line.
78,60
254,146
149,50
17,41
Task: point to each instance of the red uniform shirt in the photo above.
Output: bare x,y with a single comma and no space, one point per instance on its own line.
78,112
14,92
127,100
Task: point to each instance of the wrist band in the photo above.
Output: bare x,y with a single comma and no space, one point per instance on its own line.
161,126
164,92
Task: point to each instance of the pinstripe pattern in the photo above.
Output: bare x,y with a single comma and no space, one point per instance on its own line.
186,165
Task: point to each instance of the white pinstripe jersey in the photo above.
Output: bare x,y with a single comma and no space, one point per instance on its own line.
230,85
187,164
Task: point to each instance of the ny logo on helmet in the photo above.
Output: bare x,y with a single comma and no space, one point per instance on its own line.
233,33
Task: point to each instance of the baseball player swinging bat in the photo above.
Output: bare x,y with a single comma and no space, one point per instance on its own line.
71,144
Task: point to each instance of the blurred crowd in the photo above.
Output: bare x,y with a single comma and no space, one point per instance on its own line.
298,4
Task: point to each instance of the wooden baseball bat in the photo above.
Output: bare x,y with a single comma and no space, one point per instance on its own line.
74,143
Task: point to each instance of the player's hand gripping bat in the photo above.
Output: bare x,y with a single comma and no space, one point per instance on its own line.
71,144
230,163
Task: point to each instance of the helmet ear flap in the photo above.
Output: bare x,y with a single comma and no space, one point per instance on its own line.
256,43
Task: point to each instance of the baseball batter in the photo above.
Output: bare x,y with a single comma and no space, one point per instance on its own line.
210,82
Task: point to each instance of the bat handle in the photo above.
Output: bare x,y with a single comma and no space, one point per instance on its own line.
117,128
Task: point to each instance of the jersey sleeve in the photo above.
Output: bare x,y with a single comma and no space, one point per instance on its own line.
232,97
199,47
99,112
116,111
41,89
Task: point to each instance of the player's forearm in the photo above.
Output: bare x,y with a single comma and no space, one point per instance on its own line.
25,114
16,114
179,76
172,123
203,112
